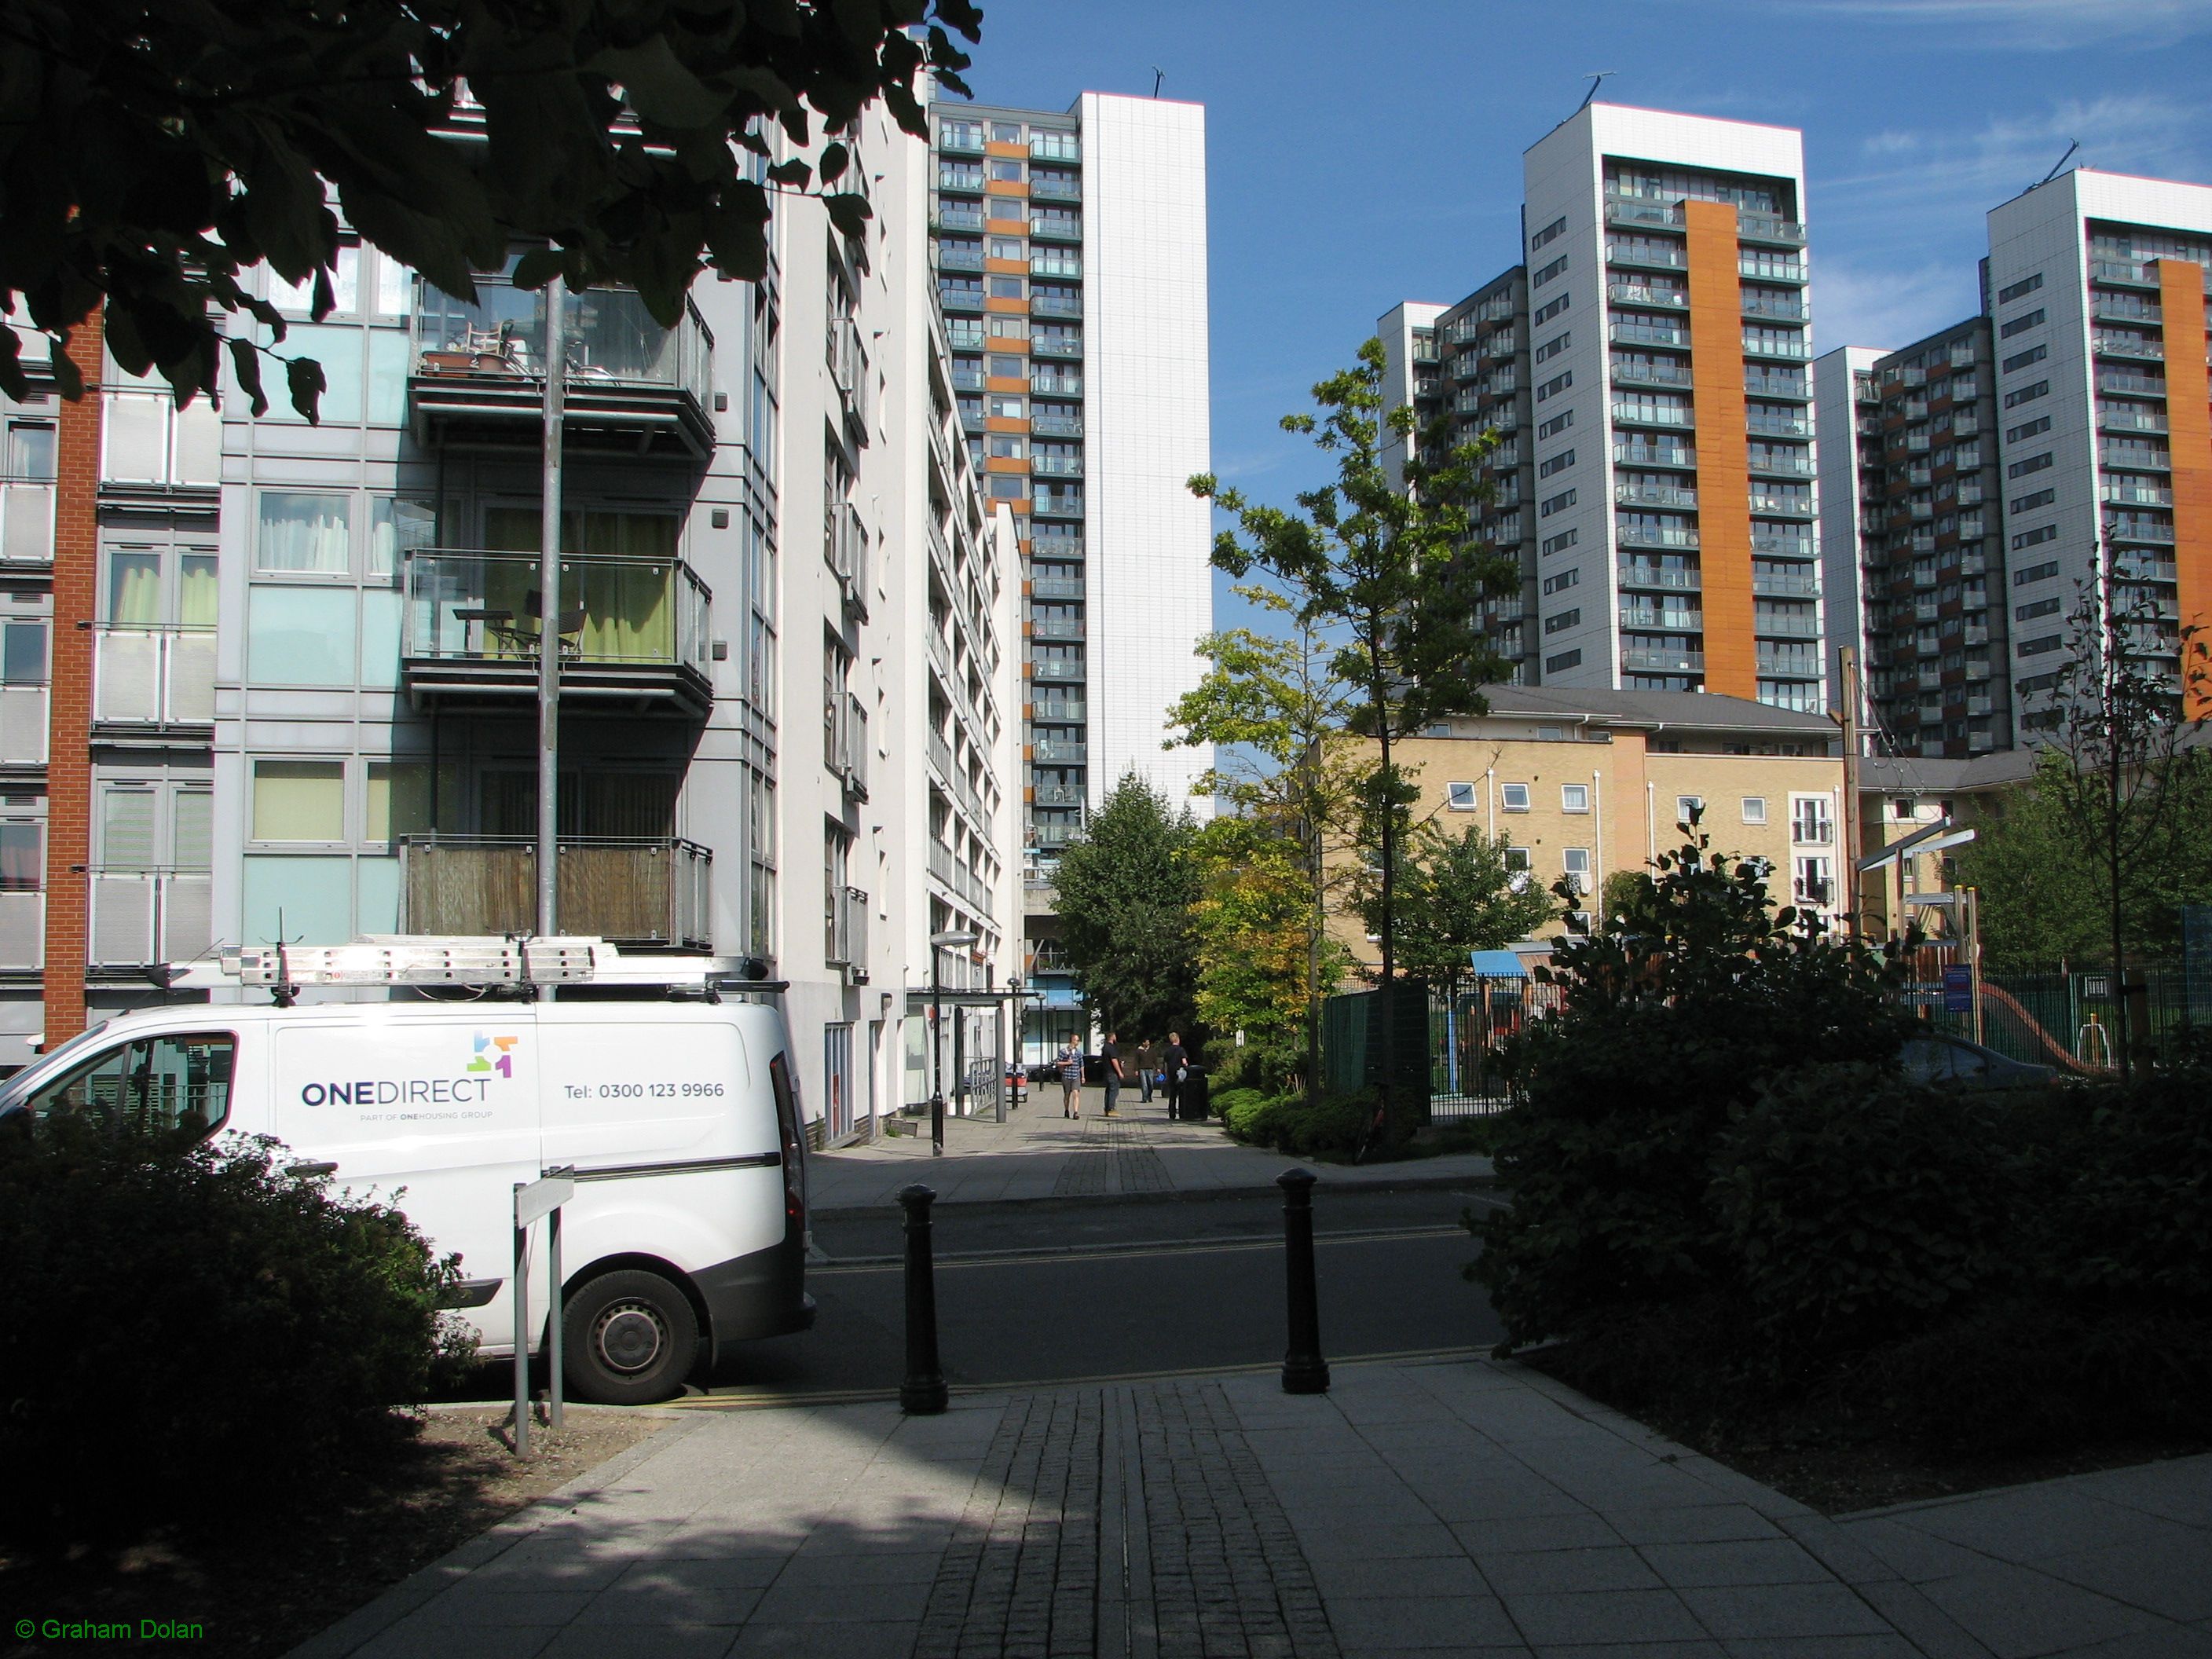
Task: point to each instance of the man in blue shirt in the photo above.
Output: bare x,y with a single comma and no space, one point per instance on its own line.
1070,1062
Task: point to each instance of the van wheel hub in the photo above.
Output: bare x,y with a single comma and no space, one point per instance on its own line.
630,1337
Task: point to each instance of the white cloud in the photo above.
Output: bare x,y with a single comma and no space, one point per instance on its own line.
2040,25
1887,306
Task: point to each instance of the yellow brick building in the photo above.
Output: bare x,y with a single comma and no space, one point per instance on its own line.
1584,782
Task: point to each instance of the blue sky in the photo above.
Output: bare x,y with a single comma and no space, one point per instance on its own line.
1362,155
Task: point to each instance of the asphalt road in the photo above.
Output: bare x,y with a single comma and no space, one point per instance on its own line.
1070,1290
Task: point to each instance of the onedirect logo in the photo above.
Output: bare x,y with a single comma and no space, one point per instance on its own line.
494,1054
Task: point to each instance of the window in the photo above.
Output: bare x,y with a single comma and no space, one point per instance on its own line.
2038,648
2034,572
1006,406
155,1083
1548,272
1576,862
1686,806
1556,385
1550,309
2041,424
1552,349
2038,608
1564,580
1513,796
1574,798
397,527
305,534
1460,797
22,856
1550,233
1559,463
2032,464
2021,324
1812,884
1557,503
1519,867
2021,360
2025,286
1564,660
2030,537
1565,539
1754,809
1559,621
1558,424
1003,169
299,800
2026,394
1810,824
1005,287
2029,503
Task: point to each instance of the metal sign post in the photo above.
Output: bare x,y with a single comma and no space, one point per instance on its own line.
542,1197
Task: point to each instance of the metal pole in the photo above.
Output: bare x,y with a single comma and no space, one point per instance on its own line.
1847,663
922,1392
553,1302
999,1031
1305,1370
521,1340
936,1057
549,625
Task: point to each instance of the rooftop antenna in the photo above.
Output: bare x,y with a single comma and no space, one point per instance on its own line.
1158,76
1595,81
2059,168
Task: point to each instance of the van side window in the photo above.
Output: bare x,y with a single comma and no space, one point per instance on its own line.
156,1083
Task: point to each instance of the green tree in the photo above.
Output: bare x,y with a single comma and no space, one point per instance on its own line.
151,154
1125,890
1384,564
2118,722
1277,716
1260,970
1456,895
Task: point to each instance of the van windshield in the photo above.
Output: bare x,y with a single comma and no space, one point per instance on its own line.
18,1088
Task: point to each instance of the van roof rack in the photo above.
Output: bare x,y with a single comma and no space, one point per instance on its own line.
464,962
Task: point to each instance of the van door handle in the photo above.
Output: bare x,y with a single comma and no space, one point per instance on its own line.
311,1169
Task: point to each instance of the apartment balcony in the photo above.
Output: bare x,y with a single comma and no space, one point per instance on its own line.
2133,495
1055,146
1792,346
959,144
2131,346
1048,346
1624,257
634,632
1647,334
1060,750
1786,628
1783,547
958,216
1665,579
848,733
27,522
1055,227
1055,588
1794,464
1654,495
1769,228
844,550
2125,308
1054,262
153,681
2124,273
1054,304
2132,458
1060,503
1061,385
1780,311
1772,585
1055,190
2123,532
2130,385
645,890
477,378
1778,666
1679,456
1672,415
1678,622
1057,669
1628,210
1768,270
1651,374
25,719
1631,535
22,933
1665,659
2147,570
141,917
1782,507
1057,627
1055,426
955,296
961,256
1055,795
1644,293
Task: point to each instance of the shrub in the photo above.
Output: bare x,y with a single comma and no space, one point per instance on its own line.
184,1329
1854,1206
1698,990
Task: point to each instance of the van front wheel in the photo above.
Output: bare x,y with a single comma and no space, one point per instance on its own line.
630,1339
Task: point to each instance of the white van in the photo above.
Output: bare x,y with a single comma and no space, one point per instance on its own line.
688,1231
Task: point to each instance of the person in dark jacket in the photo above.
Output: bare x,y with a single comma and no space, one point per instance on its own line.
1174,1059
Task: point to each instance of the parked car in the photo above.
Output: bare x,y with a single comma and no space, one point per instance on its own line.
1945,1059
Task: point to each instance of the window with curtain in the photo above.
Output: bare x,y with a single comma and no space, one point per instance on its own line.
299,800
305,534
134,586
397,526
624,585
196,591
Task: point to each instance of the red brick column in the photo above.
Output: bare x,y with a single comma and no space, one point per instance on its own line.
69,747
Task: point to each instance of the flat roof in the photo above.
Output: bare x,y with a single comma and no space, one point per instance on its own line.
1703,711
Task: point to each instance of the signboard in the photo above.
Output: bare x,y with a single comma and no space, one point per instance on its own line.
1958,989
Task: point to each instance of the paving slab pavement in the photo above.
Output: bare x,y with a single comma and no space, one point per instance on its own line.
1420,1509
1039,1153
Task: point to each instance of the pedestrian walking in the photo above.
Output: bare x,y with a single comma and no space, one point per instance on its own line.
1109,1073
1148,1064
1174,1059
1070,1062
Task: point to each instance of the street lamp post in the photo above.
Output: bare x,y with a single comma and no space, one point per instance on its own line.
937,943
1006,1084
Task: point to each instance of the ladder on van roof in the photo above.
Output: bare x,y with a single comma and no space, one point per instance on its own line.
466,961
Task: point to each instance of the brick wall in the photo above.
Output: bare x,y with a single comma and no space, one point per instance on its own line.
69,768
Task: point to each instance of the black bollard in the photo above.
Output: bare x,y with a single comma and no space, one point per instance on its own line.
923,1392
1305,1370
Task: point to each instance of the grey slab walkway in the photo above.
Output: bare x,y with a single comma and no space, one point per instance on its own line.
1038,1153
1418,1510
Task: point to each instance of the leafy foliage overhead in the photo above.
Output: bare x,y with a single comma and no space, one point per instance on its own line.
153,151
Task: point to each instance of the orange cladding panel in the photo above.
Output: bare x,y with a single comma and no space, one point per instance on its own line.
1723,447
2181,300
